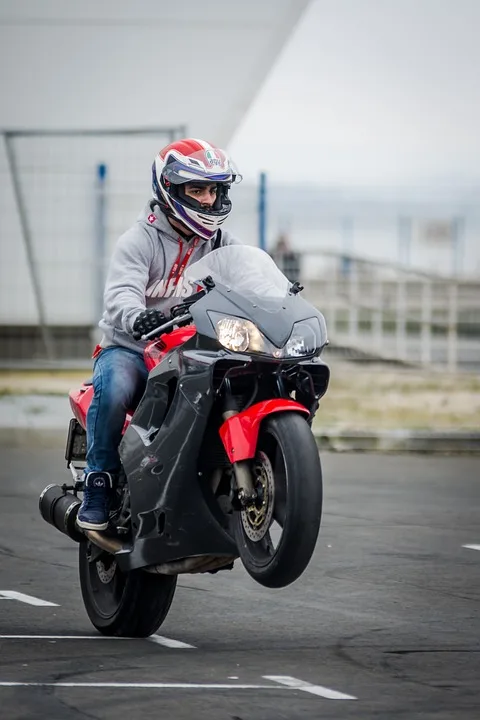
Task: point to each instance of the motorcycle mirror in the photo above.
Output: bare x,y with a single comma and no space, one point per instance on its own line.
296,288
208,283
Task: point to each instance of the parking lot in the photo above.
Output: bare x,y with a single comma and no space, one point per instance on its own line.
385,622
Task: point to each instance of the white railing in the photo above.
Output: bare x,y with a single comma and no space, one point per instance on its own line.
395,312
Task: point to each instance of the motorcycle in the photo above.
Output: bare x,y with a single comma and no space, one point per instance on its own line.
219,461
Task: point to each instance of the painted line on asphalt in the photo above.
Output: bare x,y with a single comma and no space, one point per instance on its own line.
286,683
168,642
295,684
472,547
158,639
28,599
148,686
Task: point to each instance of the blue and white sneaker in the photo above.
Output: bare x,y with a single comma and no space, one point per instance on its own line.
93,512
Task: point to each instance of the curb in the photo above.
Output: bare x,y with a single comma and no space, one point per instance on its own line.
400,441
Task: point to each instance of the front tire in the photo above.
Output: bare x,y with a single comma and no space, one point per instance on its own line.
132,604
288,479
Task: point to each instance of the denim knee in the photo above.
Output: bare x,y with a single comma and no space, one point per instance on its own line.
118,379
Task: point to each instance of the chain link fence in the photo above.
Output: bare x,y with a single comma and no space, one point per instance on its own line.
66,197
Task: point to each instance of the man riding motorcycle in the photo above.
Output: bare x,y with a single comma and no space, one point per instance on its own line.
190,181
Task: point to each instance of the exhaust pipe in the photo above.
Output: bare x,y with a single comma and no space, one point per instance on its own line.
59,508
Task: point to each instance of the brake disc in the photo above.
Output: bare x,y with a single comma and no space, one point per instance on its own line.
257,517
106,574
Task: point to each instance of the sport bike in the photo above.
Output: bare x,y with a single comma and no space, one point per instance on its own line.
218,460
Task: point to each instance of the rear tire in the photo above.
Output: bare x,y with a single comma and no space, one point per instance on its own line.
132,604
288,454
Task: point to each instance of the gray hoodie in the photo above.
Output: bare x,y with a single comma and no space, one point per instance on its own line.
141,277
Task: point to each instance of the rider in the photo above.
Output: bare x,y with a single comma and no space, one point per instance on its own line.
190,179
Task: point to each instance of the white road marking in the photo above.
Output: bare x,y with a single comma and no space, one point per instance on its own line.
472,547
295,684
29,599
286,683
182,686
158,639
168,642
59,637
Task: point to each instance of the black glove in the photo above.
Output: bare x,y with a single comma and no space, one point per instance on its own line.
147,321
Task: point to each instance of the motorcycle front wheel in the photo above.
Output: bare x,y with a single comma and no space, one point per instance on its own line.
132,604
277,533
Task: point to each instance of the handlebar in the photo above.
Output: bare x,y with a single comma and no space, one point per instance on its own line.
166,326
182,308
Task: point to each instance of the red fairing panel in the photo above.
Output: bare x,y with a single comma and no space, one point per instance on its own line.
80,402
157,349
239,433
154,352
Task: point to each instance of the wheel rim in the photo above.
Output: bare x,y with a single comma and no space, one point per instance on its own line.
106,584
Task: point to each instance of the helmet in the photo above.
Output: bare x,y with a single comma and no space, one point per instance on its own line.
197,161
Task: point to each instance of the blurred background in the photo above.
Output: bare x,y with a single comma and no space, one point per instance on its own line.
355,125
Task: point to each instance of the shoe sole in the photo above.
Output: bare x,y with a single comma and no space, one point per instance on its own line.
91,526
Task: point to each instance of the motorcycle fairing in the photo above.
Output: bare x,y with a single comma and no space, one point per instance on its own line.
80,402
276,326
173,514
239,433
156,350
81,398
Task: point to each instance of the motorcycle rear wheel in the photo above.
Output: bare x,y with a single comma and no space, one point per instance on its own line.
288,479
132,604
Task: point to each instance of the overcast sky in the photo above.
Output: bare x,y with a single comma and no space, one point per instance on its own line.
371,92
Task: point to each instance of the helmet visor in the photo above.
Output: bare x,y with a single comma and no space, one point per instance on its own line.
211,165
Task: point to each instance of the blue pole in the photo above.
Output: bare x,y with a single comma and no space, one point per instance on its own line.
262,212
347,241
100,237
458,244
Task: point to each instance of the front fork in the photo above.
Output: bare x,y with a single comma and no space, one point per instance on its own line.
241,469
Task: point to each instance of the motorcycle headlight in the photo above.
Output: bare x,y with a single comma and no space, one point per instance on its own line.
304,339
240,335
234,333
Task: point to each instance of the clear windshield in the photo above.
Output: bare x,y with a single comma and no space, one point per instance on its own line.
248,270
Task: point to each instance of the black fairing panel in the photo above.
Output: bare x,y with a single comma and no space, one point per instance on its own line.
170,516
276,326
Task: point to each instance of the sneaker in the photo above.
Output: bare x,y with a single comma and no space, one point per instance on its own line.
93,512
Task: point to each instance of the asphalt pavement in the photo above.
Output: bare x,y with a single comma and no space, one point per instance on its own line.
384,623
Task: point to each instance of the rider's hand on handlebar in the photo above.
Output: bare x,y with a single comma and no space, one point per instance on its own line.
147,321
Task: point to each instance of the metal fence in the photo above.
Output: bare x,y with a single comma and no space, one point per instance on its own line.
65,198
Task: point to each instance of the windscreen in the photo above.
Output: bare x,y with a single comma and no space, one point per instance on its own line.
247,270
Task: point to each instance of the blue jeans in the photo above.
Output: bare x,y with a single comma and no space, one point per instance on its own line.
119,378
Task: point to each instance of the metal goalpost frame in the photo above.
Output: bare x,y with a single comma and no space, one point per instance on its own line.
21,199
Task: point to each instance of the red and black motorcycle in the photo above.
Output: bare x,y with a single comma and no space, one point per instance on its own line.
218,460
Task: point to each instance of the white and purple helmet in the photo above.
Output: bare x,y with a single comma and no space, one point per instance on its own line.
197,161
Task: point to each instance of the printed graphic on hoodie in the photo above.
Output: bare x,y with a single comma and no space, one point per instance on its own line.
167,288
